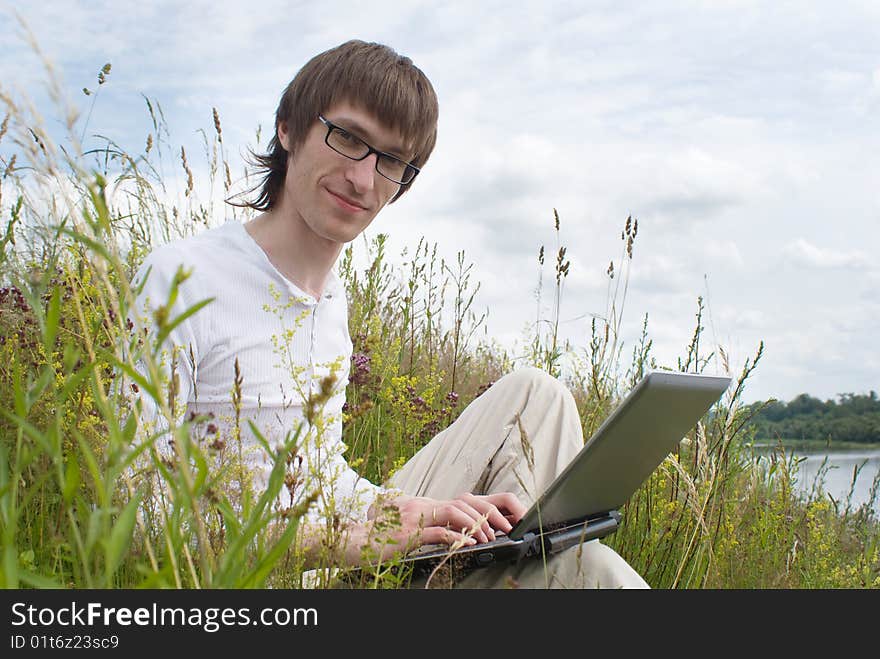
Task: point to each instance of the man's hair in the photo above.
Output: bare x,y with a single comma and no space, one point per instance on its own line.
368,75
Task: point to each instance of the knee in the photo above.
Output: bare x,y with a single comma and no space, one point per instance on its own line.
543,387
540,392
534,379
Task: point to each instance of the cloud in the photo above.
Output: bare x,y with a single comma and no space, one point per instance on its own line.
868,293
725,252
729,129
741,319
804,253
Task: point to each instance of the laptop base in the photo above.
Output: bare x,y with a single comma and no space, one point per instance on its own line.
506,550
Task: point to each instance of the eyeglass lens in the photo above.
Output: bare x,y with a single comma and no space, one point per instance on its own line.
354,147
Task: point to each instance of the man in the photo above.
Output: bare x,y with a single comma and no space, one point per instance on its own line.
353,128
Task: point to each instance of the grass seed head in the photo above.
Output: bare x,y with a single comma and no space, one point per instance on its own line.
217,124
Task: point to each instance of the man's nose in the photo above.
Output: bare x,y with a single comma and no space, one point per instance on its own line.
362,173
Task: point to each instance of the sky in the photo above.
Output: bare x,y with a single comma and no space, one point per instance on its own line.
743,136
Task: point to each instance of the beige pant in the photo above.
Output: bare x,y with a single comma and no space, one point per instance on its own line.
525,417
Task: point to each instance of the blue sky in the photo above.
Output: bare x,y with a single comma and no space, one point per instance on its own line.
742,135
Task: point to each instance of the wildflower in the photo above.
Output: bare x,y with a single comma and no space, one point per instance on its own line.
353,412
360,368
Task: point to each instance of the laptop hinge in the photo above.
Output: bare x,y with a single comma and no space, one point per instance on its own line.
576,534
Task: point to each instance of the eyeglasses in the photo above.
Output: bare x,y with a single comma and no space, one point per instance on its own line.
351,146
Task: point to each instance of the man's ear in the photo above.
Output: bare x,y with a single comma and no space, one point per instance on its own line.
283,135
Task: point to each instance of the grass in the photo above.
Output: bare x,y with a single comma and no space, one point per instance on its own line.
87,499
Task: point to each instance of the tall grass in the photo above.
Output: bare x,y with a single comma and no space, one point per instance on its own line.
89,499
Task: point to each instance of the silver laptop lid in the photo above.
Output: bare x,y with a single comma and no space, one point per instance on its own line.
626,448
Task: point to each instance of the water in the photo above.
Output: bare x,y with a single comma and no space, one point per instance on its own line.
838,479
837,475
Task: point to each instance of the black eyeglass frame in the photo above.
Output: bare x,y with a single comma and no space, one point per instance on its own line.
408,166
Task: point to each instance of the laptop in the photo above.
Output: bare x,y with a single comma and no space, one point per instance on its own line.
584,500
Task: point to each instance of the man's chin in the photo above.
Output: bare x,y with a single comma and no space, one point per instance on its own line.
345,232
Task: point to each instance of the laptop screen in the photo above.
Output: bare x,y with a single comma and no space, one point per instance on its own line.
629,445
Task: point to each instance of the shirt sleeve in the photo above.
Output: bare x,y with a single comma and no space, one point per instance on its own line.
359,492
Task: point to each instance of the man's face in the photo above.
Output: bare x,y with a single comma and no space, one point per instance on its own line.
337,197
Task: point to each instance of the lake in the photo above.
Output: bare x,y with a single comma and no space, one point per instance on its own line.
838,473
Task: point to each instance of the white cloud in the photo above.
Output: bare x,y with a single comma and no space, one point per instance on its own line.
805,253
725,252
732,130
741,319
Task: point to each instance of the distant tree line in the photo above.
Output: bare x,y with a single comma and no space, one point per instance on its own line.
850,418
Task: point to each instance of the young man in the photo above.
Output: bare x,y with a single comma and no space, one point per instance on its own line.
352,130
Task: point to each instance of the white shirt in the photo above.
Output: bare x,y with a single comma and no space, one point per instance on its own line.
286,342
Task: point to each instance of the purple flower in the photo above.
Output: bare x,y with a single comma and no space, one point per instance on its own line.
360,368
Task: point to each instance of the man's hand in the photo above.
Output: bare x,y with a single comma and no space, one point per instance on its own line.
467,519
415,521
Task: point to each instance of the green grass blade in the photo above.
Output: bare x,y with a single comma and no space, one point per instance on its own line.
120,537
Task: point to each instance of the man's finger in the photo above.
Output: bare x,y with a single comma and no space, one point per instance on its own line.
509,502
482,528
493,515
437,535
451,514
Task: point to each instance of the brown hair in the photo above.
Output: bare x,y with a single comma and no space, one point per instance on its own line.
371,75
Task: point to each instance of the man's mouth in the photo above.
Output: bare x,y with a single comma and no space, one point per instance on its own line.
345,202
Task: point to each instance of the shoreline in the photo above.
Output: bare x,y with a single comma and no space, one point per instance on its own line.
815,445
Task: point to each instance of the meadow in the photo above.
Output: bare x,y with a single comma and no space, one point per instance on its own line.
88,501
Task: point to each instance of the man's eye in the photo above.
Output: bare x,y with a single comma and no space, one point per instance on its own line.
392,164
345,136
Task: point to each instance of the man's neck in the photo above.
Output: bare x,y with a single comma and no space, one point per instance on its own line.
294,249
